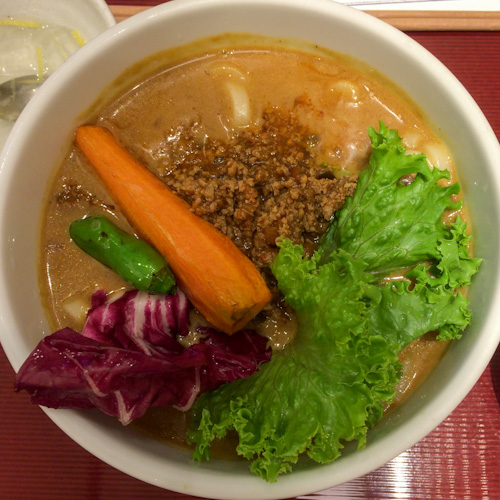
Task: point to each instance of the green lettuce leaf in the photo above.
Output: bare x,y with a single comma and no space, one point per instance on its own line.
333,382
386,223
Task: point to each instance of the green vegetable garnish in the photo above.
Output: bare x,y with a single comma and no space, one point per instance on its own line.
137,262
333,382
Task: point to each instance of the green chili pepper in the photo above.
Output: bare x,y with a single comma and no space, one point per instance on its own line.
137,262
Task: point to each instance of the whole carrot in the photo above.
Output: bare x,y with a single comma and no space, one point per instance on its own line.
221,282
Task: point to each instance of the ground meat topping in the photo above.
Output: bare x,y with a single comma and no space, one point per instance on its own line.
264,185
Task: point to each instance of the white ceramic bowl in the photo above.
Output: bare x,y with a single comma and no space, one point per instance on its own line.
87,17
41,137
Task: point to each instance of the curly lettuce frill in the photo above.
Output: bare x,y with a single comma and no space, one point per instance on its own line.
332,384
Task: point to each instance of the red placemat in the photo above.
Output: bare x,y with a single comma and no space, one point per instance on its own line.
460,459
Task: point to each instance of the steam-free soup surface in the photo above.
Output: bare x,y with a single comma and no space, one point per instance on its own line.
263,140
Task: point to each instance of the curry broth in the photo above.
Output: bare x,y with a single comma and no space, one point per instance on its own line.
218,90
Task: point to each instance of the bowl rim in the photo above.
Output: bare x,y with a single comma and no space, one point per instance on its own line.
211,482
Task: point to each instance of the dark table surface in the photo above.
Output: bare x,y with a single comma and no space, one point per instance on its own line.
459,459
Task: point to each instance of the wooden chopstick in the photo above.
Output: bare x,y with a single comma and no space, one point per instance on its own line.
413,20
416,20
122,12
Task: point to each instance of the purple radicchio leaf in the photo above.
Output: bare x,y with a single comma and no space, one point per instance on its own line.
127,358
137,320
